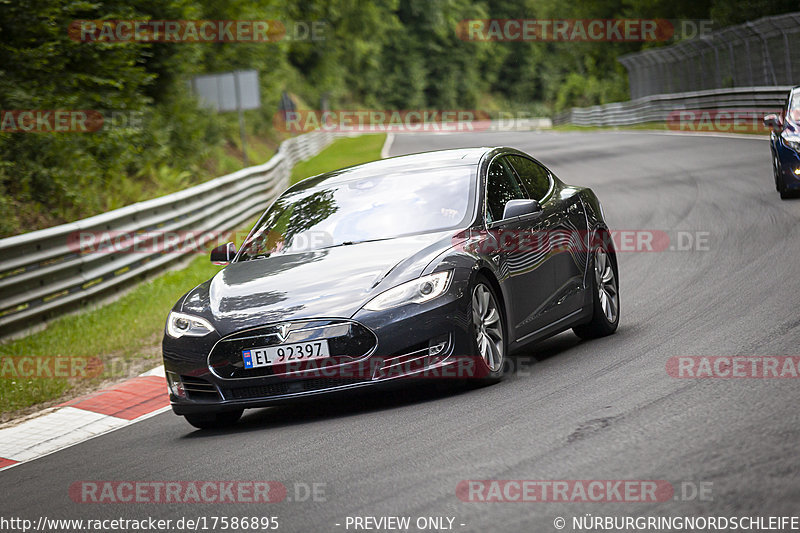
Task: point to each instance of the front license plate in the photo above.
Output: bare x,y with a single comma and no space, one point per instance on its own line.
285,353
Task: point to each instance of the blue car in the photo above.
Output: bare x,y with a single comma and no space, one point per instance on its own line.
785,145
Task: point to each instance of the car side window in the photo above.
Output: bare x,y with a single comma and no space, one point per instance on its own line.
501,186
535,177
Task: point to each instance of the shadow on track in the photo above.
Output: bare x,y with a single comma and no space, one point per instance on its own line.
368,400
341,405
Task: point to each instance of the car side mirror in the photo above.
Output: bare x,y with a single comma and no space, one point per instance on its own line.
773,121
520,208
223,254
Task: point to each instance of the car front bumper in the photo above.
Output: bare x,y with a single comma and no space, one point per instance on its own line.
414,342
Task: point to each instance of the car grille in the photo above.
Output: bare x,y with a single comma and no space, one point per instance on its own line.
414,359
348,342
199,389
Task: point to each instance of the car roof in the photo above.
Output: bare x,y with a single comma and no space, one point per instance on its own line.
399,164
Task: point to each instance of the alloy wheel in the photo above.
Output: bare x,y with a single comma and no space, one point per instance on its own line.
488,327
606,285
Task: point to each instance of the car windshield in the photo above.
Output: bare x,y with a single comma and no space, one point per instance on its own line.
364,209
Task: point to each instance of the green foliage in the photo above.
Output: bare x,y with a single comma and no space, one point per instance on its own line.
382,54
133,325
728,13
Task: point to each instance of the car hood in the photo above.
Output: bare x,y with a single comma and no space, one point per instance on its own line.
332,282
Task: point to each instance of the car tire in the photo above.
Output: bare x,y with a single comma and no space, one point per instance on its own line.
489,336
782,190
214,420
786,193
605,295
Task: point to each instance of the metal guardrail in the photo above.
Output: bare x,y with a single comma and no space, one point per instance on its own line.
657,108
47,272
760,52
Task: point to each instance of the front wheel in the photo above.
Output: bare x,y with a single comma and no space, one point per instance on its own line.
488,329
605,297
214,420
784,193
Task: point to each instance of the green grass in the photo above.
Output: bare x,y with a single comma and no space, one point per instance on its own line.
121,334
126,334
258,152
343,152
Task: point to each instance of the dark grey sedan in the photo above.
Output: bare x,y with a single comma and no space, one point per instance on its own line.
433,265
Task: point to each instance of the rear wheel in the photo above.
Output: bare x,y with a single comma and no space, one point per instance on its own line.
605,297
488,330
214,420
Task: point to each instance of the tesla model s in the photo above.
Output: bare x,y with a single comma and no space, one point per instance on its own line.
439,264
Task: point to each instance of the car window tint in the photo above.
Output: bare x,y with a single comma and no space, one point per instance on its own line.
534,176
501,187
366,208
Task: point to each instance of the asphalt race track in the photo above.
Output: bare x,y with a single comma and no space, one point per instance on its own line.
572,410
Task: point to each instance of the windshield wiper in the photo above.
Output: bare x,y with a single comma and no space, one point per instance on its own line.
343,243
350,243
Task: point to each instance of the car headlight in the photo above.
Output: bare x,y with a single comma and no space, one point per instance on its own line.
791,140
181,324
416,291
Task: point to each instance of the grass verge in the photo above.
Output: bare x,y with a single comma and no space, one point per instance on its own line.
343,152
125,335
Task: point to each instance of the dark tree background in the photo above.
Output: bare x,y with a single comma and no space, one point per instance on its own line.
380,54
